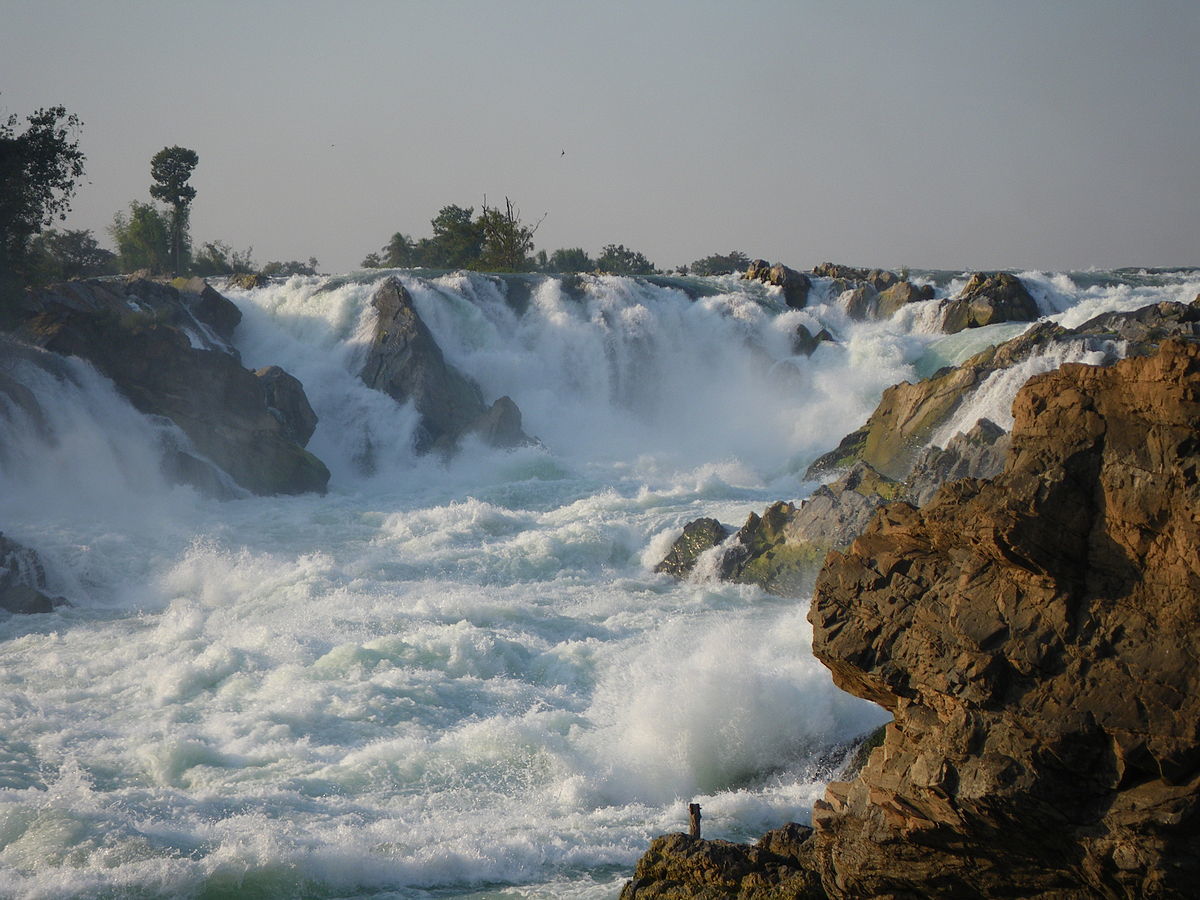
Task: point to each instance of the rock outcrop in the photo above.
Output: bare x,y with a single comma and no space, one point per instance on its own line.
1034,637
405,362
288,403
871,293
167,351
989,298
908,414
795,285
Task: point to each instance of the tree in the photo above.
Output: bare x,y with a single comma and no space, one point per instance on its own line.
733,261
616,259
61,255
38,171
507,242
218,258
457,240
293,267
143,238
170,168
569,259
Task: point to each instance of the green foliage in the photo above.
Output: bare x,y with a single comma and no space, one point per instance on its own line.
718,264
171,167
143,239
617,259
457,240
62,255
293,267
569,259
39,167
507,241
218,258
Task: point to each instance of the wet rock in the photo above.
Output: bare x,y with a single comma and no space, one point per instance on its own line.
146,338
288,403
878,279
989,298
405,362
805,343
795,285
23,580
860,302
899,295
698,536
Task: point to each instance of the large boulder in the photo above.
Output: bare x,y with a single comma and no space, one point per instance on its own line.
698,536
1034,638
989,298
406,363
795,285
149,340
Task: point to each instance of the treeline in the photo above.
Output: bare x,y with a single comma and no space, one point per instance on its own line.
41,163
499,241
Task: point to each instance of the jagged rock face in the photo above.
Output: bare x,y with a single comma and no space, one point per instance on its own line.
149,353
900,295
879,279
989,298
978,453
1034,637
288,403
406,363
795,285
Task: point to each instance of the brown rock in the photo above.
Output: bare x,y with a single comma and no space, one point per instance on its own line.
989,298
1034,638
795,284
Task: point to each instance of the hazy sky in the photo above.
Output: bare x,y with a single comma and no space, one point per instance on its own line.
955,134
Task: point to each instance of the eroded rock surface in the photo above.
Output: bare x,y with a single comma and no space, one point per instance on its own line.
1034,636
989,297
23,580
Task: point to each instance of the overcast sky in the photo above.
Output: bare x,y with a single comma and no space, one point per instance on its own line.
1045,134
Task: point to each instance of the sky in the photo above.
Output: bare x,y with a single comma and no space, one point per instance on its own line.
957,134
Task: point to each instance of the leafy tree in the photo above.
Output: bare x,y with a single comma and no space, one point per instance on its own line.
143,238
372,261
569,259
293,267
400,252
717,264
170,168
39,167
617,259
507,242
218,258
457,240
61,255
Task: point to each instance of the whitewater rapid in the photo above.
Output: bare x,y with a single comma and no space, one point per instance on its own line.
445,679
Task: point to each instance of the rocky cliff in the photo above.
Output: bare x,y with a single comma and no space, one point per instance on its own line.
1034,636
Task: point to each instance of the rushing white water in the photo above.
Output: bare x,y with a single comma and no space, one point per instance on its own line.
451,679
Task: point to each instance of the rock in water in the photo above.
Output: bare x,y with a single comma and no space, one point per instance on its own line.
149,341
288,403
989,298
795,285
23,580
406,363
698,536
